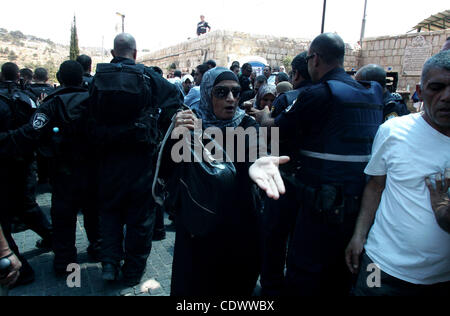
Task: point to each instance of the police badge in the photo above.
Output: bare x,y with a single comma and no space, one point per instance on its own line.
40,120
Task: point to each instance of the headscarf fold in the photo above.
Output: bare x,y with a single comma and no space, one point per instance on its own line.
263,91
205,108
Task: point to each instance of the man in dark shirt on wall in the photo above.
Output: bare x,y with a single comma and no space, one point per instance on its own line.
203,26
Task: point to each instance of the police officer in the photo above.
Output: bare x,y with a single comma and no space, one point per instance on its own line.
393,102
26,77
300,81
337,119
40,87
72,165
86,62
21,180
59,127
126,103
279,216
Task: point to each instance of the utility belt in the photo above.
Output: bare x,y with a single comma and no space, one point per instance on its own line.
328,203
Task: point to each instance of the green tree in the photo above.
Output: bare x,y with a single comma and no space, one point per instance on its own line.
12,56
74,50
287,61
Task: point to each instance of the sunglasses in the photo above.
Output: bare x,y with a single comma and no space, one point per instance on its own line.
221,92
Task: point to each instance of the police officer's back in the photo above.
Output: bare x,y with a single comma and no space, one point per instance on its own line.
17,184
279,216
65,142
394,105
86,62
338,119
40,88
126,100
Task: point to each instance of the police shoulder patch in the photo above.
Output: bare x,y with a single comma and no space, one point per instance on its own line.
390,116
40,120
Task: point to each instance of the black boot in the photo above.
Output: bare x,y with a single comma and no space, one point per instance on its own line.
110,272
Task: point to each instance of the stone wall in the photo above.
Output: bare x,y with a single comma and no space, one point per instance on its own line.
391,53
225,47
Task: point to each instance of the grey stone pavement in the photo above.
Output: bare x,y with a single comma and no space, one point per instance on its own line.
156,281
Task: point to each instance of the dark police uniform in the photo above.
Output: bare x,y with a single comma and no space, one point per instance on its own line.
279,216
72,175
87,80
282,102
394,106
72,172
15,170
124,133
20,177
338,119
41,88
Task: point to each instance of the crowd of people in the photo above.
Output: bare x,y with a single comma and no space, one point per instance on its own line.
360,181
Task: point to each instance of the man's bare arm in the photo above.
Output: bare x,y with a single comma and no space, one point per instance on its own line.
5,252
369,206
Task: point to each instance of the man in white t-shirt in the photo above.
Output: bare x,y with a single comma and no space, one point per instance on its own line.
401,226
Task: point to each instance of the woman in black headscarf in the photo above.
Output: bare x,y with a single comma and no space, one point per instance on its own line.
227,260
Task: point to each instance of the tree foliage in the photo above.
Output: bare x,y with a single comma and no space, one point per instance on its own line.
74,49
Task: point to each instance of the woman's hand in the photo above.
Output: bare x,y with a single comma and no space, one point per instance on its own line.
265,173
186,119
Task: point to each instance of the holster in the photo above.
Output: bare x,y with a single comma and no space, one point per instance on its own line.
328,202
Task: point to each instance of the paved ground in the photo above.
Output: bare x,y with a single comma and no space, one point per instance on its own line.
156,281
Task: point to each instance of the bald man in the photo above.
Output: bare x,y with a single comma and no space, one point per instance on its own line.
130,104
393,102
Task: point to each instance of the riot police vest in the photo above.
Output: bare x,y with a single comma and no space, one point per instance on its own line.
339,154
122,107
21,105
68,136
40,89
120,93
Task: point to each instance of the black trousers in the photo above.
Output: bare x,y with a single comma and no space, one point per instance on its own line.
225,263
278,224
159,220
316,257
74,190
391,286
20,186
43,168
125,200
